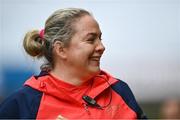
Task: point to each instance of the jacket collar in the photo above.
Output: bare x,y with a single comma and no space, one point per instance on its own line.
45,83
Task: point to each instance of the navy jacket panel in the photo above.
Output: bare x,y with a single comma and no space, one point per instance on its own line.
24,103
125,92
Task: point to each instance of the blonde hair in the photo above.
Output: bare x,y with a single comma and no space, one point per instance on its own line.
59,26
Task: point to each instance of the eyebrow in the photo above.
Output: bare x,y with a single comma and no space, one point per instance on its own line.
94,34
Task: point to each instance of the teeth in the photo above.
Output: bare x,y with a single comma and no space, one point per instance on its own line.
97,59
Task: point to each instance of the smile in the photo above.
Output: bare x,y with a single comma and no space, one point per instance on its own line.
95,58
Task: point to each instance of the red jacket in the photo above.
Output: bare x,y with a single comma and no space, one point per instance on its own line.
60,98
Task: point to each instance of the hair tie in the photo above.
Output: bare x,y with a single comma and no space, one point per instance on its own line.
41,34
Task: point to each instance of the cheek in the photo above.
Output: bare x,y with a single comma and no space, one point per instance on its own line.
81,53
78,56
85,51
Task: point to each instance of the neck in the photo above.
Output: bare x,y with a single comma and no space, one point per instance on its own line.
68,76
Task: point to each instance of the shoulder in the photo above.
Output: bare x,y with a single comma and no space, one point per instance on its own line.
121,87
125,92
21,103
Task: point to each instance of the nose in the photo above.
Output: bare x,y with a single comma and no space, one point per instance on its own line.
100,47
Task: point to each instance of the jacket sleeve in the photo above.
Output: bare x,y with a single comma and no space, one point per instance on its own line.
22,104
125,92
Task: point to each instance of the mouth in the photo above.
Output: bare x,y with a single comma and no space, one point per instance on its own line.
95,61
95,58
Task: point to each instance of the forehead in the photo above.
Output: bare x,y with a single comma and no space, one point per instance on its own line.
86,25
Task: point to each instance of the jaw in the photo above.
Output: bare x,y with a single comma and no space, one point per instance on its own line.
94,67
94,63
92,73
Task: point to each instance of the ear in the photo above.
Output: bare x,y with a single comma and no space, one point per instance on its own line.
59,49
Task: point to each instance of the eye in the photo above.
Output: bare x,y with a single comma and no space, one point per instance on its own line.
91,40
100,38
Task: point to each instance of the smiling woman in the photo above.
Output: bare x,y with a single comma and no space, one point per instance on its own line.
82,56
71,84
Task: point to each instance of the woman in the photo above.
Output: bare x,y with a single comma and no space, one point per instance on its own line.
71,84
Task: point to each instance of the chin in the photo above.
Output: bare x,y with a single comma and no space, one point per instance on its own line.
95,71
